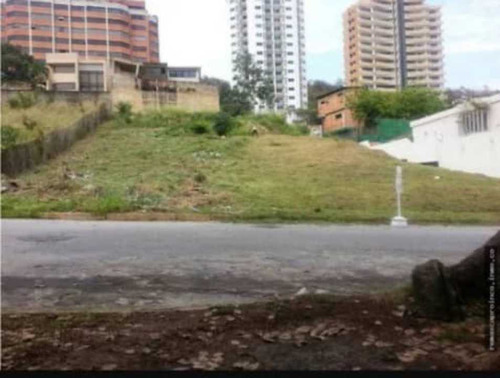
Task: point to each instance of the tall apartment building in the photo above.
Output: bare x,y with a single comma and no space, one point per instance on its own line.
273,32
391,44
91,28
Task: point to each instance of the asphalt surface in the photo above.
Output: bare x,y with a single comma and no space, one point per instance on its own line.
108,266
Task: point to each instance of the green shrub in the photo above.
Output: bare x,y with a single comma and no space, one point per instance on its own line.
50,98
201,127
9,136
107,203
223,124
124,110
81,106
14,103
200,178
176,122
29,123
22,101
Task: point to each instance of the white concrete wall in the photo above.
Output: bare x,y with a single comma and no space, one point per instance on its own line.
438,138
401,149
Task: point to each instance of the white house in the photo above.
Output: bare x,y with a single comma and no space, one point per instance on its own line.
465,138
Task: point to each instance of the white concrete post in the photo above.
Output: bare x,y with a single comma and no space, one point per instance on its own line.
399,220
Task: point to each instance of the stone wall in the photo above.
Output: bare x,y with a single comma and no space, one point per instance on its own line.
27,155
69,97
192,97
197,97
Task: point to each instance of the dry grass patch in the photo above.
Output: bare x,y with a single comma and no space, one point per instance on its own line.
43,118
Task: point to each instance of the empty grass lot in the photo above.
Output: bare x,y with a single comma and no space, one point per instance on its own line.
273,178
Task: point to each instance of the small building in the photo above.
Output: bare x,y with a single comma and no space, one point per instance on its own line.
465,138
185,74
73,73
144,85
333,110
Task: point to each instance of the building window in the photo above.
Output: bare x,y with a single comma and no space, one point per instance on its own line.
64,68
475,121
179,73
91,81
64,86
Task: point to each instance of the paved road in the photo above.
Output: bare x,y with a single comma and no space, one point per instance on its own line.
106,266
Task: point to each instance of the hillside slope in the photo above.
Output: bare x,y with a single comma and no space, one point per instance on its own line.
153,175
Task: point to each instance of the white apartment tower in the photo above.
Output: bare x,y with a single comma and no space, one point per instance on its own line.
392,44
272,31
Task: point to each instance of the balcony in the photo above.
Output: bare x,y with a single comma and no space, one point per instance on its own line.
384,6
383,23
416,49
386,82
385,65
384,50
415,33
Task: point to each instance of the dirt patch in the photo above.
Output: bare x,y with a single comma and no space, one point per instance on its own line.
133,217
306,333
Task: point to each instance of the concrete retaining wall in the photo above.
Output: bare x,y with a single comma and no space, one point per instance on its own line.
69,97
22,157
193,97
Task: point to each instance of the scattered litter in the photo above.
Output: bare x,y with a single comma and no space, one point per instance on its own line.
302,291
123,302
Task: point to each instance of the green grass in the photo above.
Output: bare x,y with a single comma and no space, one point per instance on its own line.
43,117
272,178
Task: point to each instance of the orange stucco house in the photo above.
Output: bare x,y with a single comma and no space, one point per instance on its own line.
333,110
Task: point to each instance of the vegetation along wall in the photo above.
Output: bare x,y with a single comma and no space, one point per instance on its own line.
24,156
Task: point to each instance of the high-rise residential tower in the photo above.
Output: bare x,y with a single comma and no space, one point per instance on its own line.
392,44
92,28
272,31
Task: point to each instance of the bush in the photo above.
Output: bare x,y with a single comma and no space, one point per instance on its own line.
223,124
200,178
14,102
29,123
201,127
176,122
50,98
274,123
22,101
9,136
124,110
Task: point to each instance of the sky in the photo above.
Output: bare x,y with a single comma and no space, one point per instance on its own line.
196,33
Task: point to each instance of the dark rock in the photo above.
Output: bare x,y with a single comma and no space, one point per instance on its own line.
435,296
469,274
441,293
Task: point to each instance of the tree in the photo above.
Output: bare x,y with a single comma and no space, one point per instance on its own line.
232,101
462,94
414,103
318,88
21,67
252,83
409,104
314,90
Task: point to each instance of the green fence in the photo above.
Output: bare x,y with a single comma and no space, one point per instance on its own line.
387,130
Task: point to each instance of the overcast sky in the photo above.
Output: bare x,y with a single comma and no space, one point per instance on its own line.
196,32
